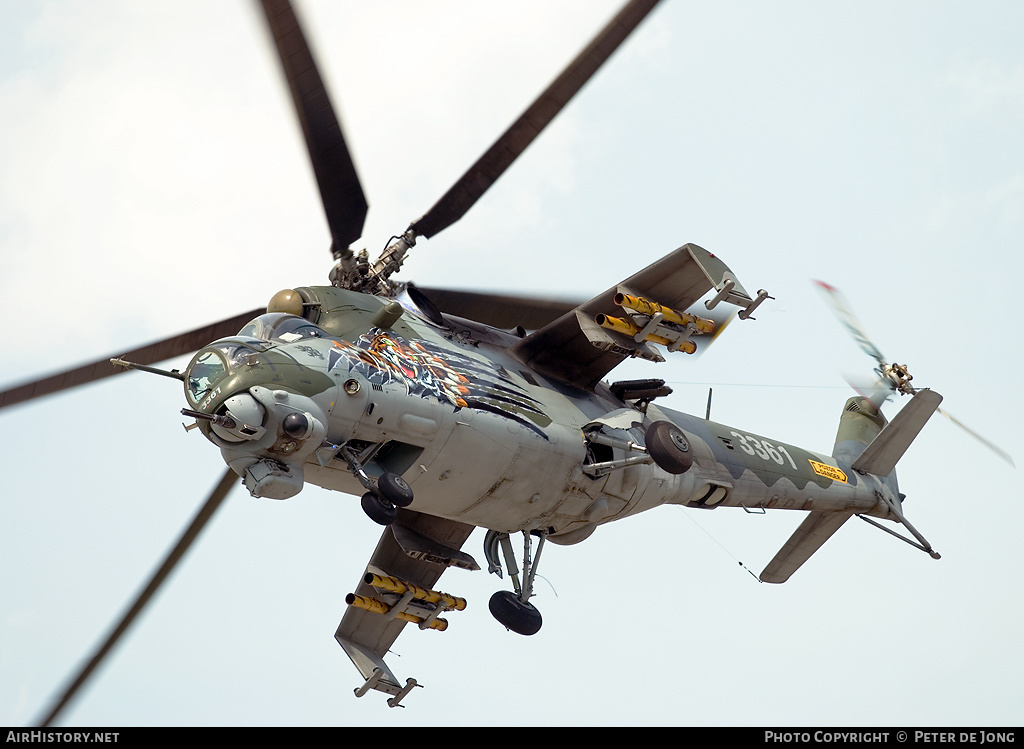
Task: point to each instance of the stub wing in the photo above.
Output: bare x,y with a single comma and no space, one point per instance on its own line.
575,348
398,589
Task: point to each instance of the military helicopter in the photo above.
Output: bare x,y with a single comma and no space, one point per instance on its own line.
391,357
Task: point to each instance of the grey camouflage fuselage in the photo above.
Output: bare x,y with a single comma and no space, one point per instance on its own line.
483,439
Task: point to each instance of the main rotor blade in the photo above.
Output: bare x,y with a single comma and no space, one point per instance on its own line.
151,354
498,310
340,190
187,538
489,167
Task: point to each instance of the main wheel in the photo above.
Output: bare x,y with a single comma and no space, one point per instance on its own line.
378,510
521,618
393,488
668,446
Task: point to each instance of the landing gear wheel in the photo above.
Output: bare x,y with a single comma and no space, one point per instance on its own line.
378,510
668,446
393,488
521,618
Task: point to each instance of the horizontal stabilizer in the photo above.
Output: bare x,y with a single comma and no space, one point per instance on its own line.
815,530
880,457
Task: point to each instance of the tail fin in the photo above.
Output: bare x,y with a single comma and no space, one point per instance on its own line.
874,447
879,458
859,425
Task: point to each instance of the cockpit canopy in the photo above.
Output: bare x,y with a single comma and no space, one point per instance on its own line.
279,327
216,361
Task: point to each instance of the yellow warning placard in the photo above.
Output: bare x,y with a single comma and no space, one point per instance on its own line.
829,472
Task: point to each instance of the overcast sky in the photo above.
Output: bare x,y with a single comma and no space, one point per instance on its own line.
152,179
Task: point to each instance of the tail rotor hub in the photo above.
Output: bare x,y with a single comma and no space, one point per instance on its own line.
899,376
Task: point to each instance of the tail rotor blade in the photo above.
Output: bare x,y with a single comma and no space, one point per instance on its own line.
877,391
173,557
1001,453
880,390
842,310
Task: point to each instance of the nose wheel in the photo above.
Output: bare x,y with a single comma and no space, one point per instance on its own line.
381,503
513,610
384,496
392,488
379,510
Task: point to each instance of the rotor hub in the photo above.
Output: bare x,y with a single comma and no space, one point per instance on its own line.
900,377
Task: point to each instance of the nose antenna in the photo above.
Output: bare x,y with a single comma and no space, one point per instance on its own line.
173,373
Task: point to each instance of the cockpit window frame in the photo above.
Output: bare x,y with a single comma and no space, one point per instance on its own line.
190,388
282,328
233,354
